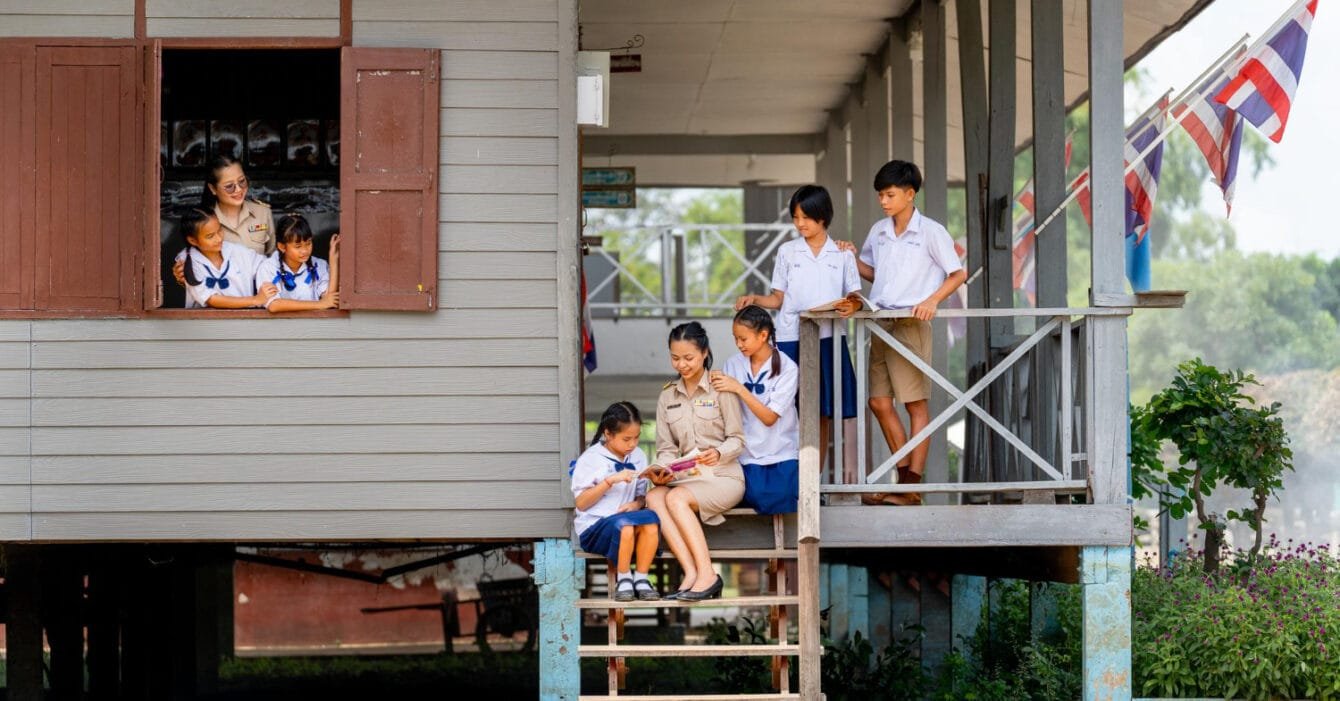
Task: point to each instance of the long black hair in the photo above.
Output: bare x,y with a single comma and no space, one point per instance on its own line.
191,221
293,228
756,319
209,200
694,333
616,418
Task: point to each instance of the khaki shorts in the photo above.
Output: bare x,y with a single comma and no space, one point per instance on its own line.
892,375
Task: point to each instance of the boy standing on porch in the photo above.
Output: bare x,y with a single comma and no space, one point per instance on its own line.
911,264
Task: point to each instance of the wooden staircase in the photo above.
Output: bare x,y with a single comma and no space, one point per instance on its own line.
782,562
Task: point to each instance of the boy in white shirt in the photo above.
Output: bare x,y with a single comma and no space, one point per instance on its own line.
911,263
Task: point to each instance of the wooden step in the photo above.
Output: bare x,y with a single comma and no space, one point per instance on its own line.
674,603
724,554
688,651
696,697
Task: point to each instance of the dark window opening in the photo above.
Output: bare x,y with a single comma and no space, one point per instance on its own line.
276,111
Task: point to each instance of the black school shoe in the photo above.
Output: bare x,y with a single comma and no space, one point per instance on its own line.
712,592
624,593
644,590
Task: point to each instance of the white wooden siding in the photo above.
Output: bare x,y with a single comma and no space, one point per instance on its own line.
242,18
84,18
15,431
374,426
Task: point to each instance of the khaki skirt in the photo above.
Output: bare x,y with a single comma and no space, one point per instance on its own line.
718,490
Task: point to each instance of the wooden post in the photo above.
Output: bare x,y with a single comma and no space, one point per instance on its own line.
1106,571
104,629
560,576
972,80
23,623
1049,170
900,98
832,174
936,618
62,605
807,526
935,202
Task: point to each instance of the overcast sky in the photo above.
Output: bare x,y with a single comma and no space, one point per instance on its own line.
1293,207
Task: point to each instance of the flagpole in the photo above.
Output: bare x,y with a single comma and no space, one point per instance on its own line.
1217,66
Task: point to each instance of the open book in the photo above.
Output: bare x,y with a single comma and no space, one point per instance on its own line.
832,306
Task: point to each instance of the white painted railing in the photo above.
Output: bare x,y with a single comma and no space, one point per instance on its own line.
683,270
1058,464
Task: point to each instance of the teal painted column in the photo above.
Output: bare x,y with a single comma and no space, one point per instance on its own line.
839,603
559,576
858,589
1043,611
967,595
1105,574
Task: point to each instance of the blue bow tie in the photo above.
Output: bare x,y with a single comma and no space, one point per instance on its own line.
622,465
755,384
221,280
290,280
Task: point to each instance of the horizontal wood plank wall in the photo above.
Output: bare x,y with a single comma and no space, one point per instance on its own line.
15,431
81,18
242,18
375,426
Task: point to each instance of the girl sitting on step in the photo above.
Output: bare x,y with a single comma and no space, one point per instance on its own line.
610,493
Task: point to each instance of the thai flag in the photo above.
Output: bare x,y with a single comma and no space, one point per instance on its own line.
588,335
1217,131
1263,89
1142,183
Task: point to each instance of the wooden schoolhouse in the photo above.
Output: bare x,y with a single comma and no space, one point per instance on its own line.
141,443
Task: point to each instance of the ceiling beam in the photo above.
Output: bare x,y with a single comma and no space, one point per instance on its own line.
699,145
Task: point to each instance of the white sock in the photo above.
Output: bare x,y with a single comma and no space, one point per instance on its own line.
640,576
624,575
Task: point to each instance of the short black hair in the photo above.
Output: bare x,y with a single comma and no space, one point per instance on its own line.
898,174
814,201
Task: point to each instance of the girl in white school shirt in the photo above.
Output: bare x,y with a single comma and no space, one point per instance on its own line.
609,492
766,381
303,281
809,272
219,274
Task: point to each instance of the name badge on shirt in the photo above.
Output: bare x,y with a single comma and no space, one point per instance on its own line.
258,227
674,406
705,402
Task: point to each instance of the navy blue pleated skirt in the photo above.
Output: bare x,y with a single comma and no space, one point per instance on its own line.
602,537
772,489
792,350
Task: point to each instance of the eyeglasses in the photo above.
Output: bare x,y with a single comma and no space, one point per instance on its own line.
234,187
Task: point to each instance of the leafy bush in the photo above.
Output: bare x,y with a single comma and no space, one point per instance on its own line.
1269,627
852,670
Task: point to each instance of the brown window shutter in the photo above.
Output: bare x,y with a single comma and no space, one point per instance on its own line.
88,178
17,196
388,178
153,174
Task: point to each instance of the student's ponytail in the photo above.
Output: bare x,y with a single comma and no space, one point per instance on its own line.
616,418
694,333
757,319
189,226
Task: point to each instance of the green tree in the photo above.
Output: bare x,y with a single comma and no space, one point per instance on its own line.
1221,438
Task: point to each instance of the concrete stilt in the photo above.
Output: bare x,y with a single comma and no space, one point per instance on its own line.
1042,611
23,623
1105,574
560,576
839,603
967,594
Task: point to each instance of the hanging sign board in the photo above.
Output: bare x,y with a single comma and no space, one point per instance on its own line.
618,198
609,177
626,63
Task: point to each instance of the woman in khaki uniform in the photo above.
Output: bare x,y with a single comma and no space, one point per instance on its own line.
243,221
690,416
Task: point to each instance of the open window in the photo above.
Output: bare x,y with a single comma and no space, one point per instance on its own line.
102,146
285,114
